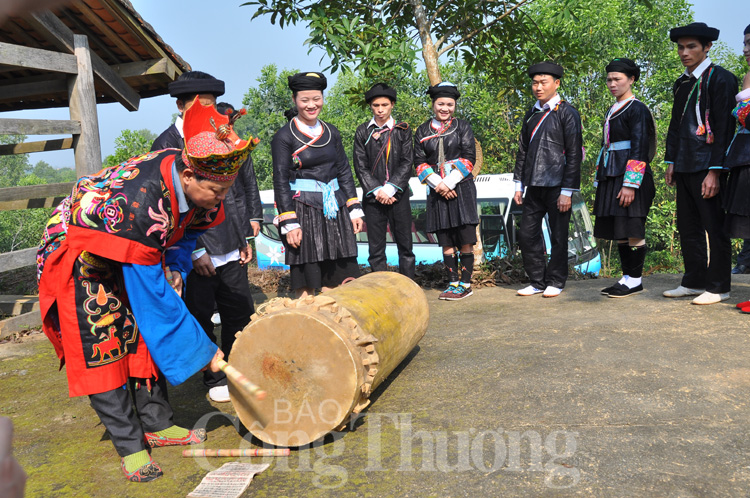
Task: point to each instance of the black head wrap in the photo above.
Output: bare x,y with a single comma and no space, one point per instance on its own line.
747,30
444,89
554,70
195,83
307,81
625,66
380,90
694,30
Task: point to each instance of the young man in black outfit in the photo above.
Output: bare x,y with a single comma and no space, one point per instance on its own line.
184,89
548,167
699,133
383,155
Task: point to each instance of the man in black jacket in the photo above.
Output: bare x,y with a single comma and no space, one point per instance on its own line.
383,153
548,167
219,275
184,89
699,133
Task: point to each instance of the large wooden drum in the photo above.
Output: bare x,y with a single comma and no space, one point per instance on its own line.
319,358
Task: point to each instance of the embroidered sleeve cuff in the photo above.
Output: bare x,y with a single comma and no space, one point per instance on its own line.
390,189
424,170
351,202
634,171
463,165
289,227
198,253
356,213
453,178
668,162
566,192
742,110
721,168
285,218
374,191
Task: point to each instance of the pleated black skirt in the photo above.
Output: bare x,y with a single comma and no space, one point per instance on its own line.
614,222
322,238
443,214
736,201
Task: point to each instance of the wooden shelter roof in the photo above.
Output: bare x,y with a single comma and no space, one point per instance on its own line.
116,33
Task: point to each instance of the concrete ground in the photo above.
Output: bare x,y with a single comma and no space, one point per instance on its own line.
504,396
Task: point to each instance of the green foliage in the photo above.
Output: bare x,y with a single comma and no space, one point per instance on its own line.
22,229
47,174
266,104
129,144
375,38
13,167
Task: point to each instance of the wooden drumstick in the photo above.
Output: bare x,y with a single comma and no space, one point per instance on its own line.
242,381
236,453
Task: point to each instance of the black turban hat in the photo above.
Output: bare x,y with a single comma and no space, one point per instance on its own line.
625,66
195,83
555,70
307,81
380,90
747,30
694,30
444,89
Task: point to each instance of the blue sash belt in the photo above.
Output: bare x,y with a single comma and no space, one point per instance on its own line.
330,205
623,145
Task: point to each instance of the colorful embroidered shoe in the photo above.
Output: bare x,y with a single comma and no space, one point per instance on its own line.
448,292
459,292
146,473
743,304
194,437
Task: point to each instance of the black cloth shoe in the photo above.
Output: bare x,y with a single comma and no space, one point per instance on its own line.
620,290
740,269
607,290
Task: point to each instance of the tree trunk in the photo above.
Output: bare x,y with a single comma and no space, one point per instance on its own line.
429,54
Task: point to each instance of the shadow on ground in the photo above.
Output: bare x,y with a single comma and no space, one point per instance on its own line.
505,396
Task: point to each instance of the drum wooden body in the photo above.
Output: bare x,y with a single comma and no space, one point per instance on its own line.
319,358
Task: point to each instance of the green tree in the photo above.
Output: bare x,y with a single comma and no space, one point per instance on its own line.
129,144
376,38
266,104
13,167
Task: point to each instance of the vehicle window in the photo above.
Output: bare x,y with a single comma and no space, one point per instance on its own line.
268,228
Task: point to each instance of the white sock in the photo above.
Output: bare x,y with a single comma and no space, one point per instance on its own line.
466,286
624,280
633,282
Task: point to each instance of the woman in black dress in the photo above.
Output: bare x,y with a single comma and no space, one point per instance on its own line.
444,155
625,183
319,212
736,201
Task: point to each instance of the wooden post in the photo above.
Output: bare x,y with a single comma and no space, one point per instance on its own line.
88,150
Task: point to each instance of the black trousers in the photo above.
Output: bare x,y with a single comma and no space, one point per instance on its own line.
229,291
398,215
540,201
697,216
115,410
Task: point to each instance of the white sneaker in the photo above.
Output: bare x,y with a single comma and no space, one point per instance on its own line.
216,319
551,291
711,298
219,394
681,291
529,291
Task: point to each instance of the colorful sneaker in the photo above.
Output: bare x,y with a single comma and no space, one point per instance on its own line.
194,437
459,292
447,292
147,473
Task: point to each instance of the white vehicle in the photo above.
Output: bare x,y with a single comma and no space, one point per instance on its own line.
499,217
